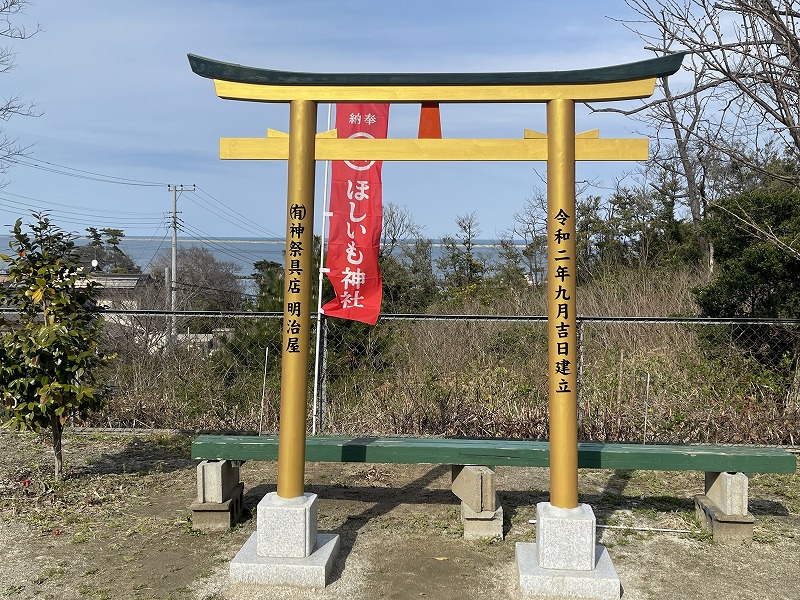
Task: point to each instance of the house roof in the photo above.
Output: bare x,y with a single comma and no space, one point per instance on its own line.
121,281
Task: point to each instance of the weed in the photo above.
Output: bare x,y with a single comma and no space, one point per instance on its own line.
646,513
49,574
82,536
613,500
700,535
485,542
784,487
13,590
179,444
762,536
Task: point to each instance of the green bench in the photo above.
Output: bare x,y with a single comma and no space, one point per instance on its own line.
517,453
723,507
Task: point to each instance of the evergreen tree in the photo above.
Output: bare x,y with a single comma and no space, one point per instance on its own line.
103,247
462,267
756,239
50,347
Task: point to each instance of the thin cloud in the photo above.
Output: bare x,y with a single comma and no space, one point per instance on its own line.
118,96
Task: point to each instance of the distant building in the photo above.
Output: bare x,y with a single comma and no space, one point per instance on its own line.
124,292
121,291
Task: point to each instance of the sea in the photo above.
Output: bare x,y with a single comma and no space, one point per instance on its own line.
243,252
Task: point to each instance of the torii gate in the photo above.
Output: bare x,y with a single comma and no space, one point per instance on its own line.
560,147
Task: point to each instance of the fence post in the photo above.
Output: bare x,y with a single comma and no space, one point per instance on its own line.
323,377
580,323
320,379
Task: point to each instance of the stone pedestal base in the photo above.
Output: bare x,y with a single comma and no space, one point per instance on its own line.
601,582
311,571
565,537
564,561
286,548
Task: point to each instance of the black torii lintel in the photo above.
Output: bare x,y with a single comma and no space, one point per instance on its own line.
662,66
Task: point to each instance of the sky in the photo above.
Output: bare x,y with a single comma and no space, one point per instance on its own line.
119,103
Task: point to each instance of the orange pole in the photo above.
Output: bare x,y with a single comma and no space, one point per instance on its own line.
430,121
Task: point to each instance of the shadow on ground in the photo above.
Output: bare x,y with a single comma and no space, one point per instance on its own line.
142,455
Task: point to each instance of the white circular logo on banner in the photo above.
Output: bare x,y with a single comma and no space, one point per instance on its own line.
360,134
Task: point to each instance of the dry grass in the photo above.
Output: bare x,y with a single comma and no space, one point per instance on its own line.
641,381
649,382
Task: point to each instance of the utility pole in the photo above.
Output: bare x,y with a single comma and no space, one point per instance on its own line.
174,279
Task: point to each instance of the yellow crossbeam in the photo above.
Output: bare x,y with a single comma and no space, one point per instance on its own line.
579,92
586,148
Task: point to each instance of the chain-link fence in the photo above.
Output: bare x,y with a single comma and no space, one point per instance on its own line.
642,379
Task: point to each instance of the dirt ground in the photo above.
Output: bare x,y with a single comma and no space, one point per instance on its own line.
119,527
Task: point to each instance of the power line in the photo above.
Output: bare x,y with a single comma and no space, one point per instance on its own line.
238,215
194,235
209,202
81,174
155,252
204,288
91,210
238,224
221,247
92,215
78,216
74,218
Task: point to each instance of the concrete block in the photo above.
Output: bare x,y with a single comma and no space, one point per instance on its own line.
724,528
468,513
475,486
218,516
565,538
312,571
728,491
216,480
287,527
484,524
601,582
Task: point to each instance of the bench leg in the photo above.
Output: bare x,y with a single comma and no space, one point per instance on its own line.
483,524
481,513
722,510
219,496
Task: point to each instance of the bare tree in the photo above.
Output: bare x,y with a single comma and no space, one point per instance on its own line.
13,105
398,227
741,107
531,227
204,282
745,58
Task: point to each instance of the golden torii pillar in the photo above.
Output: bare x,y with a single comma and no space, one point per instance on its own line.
559,146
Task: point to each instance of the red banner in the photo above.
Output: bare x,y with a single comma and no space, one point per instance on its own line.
354,236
